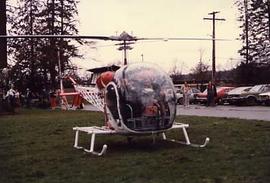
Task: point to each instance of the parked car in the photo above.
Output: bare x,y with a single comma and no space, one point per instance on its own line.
252,96
221,93
233,95
192,95
179,96
265,98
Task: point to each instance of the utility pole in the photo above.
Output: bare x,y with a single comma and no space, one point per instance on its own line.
214,42
124,46
3,31
246,30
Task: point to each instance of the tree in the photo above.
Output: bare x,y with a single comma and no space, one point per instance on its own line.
3,29
255,19
176,73
201,72
255,13
37,59
26,70
252,74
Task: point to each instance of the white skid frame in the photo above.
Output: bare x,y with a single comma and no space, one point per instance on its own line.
94,130
187,141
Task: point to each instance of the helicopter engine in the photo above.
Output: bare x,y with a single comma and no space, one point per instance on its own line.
141,98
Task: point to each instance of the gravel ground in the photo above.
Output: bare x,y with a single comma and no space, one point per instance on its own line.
246,112
250,112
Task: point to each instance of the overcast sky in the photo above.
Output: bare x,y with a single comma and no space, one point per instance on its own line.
160,18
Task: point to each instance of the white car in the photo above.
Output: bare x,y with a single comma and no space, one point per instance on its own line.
265,98
233,95
179,96
192,95
252,96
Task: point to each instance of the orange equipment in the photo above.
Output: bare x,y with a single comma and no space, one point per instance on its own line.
104,79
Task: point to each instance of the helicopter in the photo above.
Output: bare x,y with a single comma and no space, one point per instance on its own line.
138,99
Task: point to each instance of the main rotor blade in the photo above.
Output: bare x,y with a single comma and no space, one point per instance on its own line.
111,38
182,39
56,36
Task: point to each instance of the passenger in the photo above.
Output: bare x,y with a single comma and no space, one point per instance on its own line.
186,94
17,98
10,96
211,94
28,98
53,99
215,94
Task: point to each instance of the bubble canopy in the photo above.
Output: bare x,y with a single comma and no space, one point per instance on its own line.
142,98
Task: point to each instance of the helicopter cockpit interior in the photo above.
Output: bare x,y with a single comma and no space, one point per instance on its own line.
142,97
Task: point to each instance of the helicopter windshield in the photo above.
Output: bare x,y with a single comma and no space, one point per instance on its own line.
147,99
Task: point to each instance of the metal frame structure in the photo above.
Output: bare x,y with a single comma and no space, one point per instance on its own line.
94,130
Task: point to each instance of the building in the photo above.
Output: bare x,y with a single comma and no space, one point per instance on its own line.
96,72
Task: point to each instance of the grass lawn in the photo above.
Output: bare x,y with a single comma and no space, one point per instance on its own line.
37,146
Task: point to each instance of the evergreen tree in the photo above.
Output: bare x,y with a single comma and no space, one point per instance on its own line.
258,15
37,59
255,18
24,20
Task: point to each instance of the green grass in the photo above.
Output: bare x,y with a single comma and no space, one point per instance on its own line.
37,146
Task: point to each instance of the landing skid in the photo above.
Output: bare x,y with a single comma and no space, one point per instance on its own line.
187,141
93,131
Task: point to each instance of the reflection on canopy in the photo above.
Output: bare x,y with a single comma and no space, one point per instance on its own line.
146,98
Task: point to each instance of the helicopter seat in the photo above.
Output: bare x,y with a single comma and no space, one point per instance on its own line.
151,110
